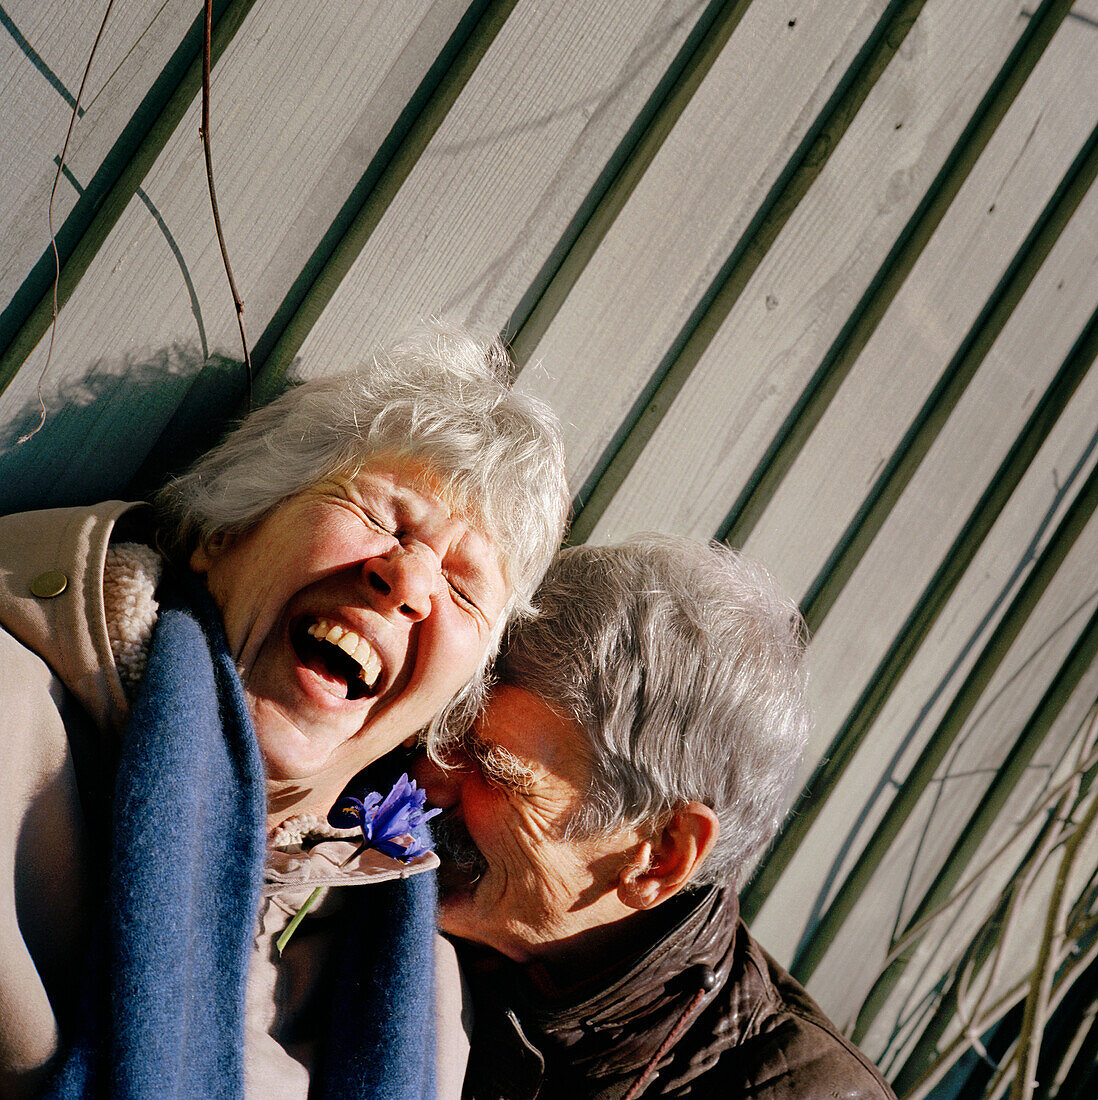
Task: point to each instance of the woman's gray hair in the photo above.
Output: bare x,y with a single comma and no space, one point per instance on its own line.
441,397
684,664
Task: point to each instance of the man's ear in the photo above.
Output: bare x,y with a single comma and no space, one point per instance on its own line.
666,863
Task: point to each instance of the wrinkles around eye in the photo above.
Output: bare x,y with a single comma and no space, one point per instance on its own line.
384,528
463,597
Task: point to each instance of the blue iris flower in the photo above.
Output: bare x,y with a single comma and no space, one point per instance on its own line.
384,820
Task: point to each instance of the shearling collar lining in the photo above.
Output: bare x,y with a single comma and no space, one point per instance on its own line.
304,852
130,576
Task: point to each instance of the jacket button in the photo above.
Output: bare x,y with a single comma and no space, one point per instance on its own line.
49,584
705,977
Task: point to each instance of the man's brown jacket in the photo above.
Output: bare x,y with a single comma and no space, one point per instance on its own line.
705,1012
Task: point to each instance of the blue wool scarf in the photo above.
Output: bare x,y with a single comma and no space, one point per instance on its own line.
380,1043
163,1008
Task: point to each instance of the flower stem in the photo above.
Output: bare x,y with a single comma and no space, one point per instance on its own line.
298,917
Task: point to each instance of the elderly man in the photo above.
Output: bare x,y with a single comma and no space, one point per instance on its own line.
633,757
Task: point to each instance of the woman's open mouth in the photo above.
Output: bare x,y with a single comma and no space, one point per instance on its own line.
346,663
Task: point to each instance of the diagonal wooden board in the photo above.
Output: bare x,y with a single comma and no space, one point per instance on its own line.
777,333
486,205
153,303
872,608
44,48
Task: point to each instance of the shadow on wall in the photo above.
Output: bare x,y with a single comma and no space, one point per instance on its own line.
118,431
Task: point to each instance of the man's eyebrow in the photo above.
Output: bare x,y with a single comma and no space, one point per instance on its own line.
500,764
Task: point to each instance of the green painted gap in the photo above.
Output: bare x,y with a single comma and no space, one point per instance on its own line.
403,157
855,334
984,816
624,170
949,728
928,607
948,391
141,151
705,320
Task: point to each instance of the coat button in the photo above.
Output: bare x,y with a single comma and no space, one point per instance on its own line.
49,584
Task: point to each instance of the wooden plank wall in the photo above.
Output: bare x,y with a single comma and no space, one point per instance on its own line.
818,278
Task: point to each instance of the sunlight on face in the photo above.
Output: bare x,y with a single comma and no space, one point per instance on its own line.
519,884
355,611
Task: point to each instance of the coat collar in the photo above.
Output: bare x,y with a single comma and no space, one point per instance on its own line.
609,1026
68,630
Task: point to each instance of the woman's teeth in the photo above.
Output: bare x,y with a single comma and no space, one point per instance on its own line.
358,649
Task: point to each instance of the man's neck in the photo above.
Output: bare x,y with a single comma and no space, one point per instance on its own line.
595,951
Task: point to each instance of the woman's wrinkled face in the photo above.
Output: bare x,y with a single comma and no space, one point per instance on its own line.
354,611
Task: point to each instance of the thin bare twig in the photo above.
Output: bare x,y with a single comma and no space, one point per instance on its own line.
1082,927
917,930
1014,896
1037,1002
1072,965
205,132
1071,925
53,236
1065,956
1086,758
1025,879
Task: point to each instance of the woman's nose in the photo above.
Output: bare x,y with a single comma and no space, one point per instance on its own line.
404,579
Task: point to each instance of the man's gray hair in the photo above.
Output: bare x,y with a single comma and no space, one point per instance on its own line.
441,397
683,661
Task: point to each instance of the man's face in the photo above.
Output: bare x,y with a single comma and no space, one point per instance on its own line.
354,611
510,879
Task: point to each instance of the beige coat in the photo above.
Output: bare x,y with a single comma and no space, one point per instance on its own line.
61,688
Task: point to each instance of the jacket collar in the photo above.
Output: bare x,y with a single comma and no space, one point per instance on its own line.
609,1026
68,630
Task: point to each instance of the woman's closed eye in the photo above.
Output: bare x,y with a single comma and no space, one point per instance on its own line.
462,595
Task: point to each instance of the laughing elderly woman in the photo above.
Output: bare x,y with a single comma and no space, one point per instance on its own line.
187,693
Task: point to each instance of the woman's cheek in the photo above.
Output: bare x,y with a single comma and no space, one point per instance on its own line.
449,650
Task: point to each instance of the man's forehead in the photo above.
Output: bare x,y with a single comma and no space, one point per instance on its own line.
529,728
